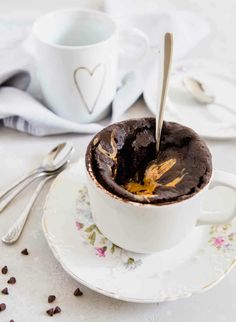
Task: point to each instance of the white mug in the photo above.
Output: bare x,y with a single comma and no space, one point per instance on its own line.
77,53
147,228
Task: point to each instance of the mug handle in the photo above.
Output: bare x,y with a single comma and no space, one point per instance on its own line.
220,178
130,55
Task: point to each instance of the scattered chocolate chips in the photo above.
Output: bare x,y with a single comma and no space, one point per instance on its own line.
57,310
78,292
51,298
2,307
12,280
4,270
5,291
25,252
50,312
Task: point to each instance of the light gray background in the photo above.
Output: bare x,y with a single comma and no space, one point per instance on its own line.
39,274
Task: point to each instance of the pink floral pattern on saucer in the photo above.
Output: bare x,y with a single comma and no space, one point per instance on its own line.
91,235
222,237
107,269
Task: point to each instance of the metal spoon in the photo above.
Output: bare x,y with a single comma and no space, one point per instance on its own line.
201,94
168,49
16,229
53,161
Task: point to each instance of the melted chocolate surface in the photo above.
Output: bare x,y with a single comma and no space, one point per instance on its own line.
123,159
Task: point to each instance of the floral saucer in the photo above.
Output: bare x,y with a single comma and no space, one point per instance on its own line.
193,266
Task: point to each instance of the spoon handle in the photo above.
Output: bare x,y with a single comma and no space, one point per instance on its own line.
12,193
6,191
168,49
15,231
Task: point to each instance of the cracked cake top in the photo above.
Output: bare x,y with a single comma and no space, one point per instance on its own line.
123,160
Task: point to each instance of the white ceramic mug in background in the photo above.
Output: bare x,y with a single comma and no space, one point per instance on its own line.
146,228
77,53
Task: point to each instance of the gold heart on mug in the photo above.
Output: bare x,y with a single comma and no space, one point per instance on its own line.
97,77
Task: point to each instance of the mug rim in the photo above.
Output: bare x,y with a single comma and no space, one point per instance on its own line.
67,47
139,204
122,199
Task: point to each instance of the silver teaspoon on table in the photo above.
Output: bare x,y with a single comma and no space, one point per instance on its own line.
168,49
55,159
16,229
201,94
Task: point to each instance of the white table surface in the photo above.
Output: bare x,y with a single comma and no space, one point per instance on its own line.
39,274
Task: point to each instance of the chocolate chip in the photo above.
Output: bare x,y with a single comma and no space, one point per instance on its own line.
12,321
51,298
78,292
4,270
5,291
25,252
50,312
57,310
12,280
2,307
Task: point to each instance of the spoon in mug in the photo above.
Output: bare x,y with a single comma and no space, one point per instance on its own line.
201,94
168,49
54,160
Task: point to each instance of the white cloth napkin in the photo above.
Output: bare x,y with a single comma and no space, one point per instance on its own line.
21,104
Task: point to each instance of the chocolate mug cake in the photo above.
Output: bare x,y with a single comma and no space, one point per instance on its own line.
124,161
144,201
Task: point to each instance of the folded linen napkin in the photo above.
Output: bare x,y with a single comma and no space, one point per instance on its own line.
21,103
